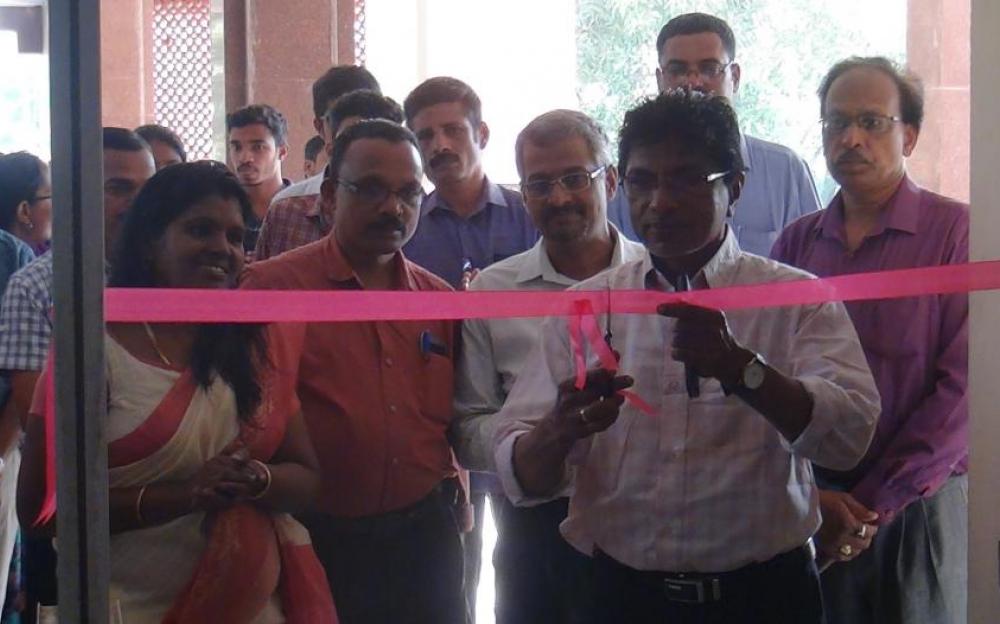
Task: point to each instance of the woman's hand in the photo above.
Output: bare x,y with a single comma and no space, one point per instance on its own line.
226,480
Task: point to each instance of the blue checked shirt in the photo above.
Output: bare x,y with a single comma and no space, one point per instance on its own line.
25,317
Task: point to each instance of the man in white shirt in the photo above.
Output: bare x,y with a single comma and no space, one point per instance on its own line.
567,179
702,511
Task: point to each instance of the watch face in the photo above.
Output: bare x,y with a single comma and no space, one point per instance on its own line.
753,374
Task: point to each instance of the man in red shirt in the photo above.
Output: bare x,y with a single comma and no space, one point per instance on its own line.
376,395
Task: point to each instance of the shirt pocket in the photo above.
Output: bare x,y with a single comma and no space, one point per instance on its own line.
435,378
894,334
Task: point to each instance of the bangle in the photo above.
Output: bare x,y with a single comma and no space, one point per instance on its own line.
267,479
138,506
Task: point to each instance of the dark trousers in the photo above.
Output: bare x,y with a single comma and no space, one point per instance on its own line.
915,569
539,576
403,567
783,590
38,568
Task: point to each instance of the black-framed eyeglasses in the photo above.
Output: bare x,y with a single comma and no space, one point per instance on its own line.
870,123
571,183
641,184
707,70
374,193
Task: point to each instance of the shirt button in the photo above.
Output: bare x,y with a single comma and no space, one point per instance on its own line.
674,386
392,408
388,361
395,461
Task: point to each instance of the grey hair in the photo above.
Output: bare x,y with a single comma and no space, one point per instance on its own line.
559,125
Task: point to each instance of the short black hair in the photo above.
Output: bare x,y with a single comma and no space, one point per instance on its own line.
263,114
313,147
21,175
696,23
363,103
163,134
123,140
442,90
367,129
337,81
909,85
233,351
700,122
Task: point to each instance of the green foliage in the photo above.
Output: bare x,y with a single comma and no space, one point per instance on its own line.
784,48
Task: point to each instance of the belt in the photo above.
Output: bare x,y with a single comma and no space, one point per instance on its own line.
699,587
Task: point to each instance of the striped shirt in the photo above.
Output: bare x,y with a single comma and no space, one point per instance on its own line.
706,484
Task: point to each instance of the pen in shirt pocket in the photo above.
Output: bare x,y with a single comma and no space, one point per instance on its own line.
431,345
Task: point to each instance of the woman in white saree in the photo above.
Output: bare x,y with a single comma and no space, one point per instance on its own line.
208,450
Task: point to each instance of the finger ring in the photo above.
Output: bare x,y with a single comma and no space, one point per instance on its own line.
846,550
862,532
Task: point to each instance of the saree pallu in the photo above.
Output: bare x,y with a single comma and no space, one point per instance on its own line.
240,565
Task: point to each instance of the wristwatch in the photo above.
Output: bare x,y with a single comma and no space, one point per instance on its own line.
752,376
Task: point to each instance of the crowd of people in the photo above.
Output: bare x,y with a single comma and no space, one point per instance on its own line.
797,464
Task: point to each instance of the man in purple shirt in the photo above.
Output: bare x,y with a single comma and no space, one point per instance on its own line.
895,527
468,222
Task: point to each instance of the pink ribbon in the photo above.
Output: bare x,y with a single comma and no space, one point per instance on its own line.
263,306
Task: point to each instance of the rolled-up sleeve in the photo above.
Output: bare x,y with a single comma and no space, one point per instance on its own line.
531,398
827,358
478,398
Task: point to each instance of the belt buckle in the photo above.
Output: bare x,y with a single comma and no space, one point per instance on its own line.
692,591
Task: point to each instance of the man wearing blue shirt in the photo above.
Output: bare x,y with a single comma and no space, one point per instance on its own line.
698,51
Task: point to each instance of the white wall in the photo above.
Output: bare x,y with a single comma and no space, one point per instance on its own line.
518,55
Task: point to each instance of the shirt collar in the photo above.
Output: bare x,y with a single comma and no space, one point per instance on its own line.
717,273
538,265
492,195
339,269
902,213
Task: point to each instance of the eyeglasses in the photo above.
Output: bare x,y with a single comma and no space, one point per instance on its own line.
641,184
39,198
375,193
571,183
870,123
708,70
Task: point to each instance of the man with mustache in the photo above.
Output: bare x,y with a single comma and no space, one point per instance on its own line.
466,224
257,139
567,178
698,51
376,396
695,498
910,491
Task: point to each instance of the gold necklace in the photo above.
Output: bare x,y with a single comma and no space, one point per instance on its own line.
156,345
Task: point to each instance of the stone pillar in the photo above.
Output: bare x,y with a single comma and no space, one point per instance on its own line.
937,49
274,52
126,62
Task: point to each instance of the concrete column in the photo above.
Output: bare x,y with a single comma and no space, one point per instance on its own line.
127,62
274,52
938,50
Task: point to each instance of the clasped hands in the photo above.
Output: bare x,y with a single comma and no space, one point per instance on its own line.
227,479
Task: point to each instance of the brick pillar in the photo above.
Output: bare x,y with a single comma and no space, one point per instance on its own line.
274,52
126,62
937,49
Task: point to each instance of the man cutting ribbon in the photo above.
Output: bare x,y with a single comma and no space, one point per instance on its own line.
704,509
